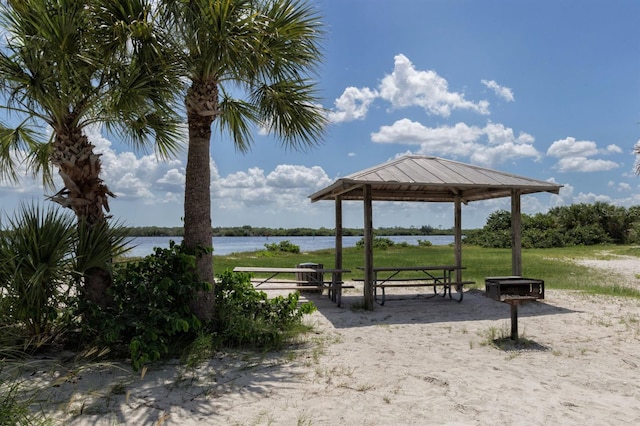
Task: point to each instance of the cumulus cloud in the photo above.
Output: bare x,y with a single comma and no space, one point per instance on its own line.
574,156
405,87
571,147
620,186
489,145
501,91
353,104
584,164
129,177
284,189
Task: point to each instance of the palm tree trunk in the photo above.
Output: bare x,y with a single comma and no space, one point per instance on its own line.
201,102
84,193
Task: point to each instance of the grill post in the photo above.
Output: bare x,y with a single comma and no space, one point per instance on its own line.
514,320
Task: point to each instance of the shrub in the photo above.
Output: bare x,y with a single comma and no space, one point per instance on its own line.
35,254
284,246
381,243
150,313
424,243
246,317
44,254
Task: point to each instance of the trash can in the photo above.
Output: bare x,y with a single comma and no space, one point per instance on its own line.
312,280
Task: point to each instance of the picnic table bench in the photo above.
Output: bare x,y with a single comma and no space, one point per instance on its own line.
270,276
425,276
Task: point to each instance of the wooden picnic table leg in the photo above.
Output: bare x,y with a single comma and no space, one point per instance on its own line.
446,286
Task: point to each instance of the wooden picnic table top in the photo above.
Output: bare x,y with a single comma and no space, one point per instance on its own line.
415,268
259,269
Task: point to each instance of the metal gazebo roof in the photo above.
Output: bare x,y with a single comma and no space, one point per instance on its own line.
431,179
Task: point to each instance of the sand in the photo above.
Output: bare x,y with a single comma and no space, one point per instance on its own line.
413,361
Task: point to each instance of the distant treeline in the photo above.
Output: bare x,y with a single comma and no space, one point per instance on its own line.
574,225
250,231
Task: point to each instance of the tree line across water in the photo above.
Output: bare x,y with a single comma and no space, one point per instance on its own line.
251,231
576,224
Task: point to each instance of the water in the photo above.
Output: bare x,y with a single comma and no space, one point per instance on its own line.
227,245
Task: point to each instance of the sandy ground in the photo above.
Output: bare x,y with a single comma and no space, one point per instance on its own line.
413,361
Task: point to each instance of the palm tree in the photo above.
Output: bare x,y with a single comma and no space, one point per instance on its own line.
248,63
70,64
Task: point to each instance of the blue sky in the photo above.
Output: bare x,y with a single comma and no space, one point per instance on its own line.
548,89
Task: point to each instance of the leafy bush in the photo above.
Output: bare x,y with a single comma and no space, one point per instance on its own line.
35,254
573,225
284,246
44,254
246,317
151,312
424,243
381,243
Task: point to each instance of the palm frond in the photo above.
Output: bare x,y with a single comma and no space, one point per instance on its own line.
292,111
98,244
22,145
236,118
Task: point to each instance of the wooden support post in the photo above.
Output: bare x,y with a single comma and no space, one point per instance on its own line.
368,248
516,234
338,254
458,236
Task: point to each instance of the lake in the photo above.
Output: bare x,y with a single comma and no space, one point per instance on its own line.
142,246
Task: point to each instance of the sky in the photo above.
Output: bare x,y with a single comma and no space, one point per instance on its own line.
547,89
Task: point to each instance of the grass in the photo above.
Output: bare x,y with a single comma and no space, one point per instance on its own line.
554,266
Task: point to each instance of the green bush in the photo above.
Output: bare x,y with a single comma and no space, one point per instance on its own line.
424,243
150,313
245,317
285,246
44,254
573,225
35,266
381,243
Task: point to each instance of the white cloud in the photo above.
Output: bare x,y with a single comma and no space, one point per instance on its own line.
624,187
172,178
489,156
570,147
283,190
406,87
290,176
501,91
584,164
461,140
353,104
405,131
573,156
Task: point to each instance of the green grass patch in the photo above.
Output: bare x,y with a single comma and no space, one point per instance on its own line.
555,265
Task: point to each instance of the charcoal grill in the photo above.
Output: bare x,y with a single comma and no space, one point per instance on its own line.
514,290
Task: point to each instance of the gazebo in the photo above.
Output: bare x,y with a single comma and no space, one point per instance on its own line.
428,179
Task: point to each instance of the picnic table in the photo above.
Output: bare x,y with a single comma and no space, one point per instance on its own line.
424,276
276,279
